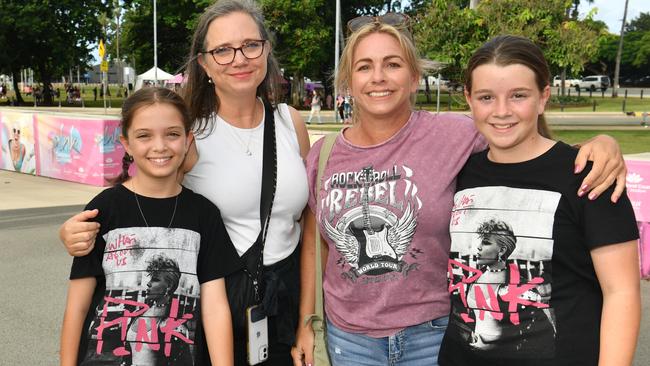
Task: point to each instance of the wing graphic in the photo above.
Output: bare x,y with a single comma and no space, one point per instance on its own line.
346,244
400,235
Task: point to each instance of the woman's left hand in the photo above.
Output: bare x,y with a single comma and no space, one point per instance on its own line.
607,168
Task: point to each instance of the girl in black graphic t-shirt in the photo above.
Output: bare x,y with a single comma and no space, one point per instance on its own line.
161,254
537,276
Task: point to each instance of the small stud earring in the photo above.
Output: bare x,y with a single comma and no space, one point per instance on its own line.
210,80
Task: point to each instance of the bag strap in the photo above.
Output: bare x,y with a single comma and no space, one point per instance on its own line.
317,318
269,183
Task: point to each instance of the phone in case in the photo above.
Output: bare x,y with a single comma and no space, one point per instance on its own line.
258,335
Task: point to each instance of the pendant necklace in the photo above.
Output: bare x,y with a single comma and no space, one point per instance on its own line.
246,147
234,131
137,201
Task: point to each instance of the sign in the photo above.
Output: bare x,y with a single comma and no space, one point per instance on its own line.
102,49
103,67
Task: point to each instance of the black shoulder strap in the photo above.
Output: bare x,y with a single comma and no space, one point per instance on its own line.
269,172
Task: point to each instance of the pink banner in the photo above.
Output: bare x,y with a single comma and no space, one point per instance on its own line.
17,142
638,187
79,150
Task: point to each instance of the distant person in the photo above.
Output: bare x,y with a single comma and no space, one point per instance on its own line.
95,93
316,104
161,254
328,101
340,107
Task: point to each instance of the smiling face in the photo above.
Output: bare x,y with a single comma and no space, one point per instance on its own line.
506,103
242,76
381,81
157,141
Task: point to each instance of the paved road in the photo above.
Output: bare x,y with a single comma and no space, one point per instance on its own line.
34,269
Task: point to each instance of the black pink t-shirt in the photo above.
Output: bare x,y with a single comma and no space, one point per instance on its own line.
537,301
145,308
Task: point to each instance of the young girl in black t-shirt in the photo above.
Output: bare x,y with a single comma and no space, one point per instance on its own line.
537,276
160,256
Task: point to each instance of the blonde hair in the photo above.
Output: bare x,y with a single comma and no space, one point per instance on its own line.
344,74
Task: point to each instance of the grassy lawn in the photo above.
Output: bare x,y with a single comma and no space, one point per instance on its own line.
632,142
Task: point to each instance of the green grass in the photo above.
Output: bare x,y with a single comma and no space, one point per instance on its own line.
632,142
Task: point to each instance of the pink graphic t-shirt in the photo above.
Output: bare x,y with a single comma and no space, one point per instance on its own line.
384,211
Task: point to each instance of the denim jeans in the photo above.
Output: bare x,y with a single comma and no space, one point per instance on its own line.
417,345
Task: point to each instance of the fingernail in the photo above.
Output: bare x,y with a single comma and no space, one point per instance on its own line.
584,187
581,193
577,169
593,196
615,199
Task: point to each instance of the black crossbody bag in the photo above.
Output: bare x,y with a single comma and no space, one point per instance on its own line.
244,287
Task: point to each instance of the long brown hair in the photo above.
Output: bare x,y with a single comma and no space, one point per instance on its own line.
508,50
143,98
198,93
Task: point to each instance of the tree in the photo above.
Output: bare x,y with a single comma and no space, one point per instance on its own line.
449,31
175,24
49,36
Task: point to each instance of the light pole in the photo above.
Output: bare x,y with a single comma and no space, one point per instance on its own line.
336,54
155,46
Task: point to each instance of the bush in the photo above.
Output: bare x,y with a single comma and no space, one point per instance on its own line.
572,100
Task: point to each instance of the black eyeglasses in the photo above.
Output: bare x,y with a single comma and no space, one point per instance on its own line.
16,131
397,20
224,55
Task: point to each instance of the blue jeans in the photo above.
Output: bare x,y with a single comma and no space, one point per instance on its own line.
417,345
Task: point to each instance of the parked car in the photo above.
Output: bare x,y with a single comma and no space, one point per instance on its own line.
594,82
568,82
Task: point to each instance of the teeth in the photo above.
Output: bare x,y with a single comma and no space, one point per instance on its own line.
379,94
159,160
503,127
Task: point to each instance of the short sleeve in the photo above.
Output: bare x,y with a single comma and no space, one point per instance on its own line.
217,255
609,223
90,265
311,164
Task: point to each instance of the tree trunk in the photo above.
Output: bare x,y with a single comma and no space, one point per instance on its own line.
617,69
16,76
297,89
427,89
46,79
563,80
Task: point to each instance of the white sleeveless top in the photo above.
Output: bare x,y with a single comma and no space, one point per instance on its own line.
232,180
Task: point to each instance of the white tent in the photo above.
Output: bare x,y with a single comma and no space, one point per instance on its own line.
149,76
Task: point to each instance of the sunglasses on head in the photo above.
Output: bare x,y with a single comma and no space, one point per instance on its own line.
397,20
17,131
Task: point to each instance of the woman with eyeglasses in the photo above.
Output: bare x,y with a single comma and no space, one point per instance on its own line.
232,75
384,206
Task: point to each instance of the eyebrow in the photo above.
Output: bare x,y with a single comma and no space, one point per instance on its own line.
368,59
229,44
490,90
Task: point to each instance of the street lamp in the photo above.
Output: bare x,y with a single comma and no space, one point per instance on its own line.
155,46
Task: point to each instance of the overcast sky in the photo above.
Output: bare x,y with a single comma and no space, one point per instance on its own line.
611,11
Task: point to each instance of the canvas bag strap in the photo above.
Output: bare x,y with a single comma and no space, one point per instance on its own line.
325,151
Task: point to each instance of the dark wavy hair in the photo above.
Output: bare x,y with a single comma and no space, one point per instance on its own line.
506,50
197,92
142,98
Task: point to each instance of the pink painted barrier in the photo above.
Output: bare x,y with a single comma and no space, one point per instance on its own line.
74,148
638,189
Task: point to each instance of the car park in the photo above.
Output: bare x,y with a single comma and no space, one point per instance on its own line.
593,83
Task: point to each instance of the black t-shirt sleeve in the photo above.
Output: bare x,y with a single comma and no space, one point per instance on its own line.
217,255
90,265
609,223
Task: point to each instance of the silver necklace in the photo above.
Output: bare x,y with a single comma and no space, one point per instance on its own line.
246,146
137,201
